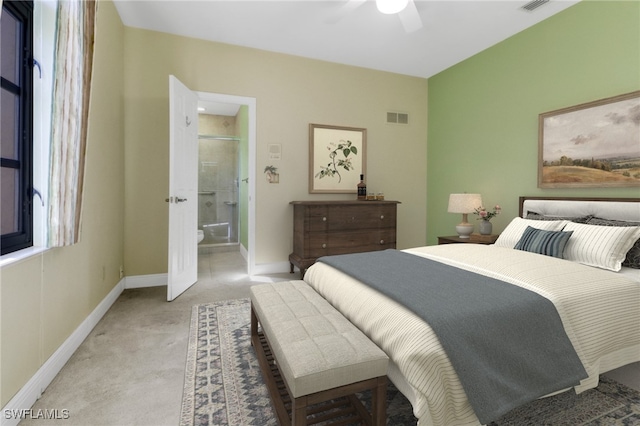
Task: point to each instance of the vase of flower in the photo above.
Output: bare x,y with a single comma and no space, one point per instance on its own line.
485,227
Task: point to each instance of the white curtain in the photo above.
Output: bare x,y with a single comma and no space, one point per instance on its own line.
72,84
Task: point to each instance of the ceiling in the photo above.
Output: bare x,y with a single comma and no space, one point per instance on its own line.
329,30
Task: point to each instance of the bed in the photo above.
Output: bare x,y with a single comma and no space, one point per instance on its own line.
594,288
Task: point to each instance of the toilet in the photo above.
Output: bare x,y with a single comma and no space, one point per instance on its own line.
200,235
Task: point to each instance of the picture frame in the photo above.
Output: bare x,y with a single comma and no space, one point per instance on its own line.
595,144
337,158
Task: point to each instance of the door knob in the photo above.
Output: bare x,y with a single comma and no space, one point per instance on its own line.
180,200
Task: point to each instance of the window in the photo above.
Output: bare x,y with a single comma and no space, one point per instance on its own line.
16,143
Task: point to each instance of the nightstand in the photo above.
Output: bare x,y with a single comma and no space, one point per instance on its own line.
475,238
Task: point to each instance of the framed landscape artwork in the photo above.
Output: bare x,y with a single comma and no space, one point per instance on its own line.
596,144
337,157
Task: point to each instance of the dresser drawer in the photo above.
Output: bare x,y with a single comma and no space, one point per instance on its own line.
325,228
344,218
323,244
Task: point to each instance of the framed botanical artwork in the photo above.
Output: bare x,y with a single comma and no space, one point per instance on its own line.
596,144
337,158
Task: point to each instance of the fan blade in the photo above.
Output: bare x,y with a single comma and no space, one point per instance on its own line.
344,10
410,18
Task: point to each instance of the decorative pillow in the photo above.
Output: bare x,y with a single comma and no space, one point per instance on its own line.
633,255
549,243
600,246
538,216
513,232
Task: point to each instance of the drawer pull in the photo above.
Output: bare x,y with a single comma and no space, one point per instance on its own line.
381,241
324,246
381,216
324,218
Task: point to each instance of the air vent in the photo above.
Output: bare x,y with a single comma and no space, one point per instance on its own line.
533,5
397,118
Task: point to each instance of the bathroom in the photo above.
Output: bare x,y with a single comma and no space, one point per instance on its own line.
219,181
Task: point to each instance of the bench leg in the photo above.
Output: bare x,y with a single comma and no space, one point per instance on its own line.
299,411
254,324
379,402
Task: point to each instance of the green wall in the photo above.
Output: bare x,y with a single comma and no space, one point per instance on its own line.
483,112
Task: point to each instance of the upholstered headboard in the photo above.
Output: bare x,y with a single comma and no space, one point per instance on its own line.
625,209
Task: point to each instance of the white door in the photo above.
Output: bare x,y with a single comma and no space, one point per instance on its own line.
183,188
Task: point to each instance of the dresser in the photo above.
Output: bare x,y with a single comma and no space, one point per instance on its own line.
322,228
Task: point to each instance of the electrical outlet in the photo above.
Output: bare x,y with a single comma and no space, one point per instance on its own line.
121,272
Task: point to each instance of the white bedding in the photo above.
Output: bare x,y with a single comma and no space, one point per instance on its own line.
632,274
599,309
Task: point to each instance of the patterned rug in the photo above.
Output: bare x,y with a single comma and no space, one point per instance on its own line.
224,386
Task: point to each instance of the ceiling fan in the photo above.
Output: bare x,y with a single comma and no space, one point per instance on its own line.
405,9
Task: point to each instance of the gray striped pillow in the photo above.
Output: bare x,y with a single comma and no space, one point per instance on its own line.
549,243
600,246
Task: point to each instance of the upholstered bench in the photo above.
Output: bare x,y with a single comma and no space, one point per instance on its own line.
310,354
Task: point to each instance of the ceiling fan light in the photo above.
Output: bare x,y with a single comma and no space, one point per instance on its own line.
389,7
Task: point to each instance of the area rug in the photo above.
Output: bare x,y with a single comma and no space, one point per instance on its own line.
224,385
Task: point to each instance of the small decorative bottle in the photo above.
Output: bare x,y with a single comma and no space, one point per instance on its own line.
362,189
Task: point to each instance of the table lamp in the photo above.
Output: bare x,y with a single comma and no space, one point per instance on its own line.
465,204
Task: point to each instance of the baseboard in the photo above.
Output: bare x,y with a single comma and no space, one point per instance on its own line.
272,268
151,280
19,406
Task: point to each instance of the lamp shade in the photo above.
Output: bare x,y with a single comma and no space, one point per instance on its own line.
389,7
464,203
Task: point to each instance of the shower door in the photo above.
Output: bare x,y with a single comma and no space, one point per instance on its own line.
218,184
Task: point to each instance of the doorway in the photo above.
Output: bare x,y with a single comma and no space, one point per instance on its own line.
218,182
226,192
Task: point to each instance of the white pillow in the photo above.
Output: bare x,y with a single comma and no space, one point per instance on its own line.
601,246
513,232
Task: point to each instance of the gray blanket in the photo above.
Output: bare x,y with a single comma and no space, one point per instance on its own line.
506,343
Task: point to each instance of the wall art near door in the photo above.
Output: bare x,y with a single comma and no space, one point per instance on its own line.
337,158
596,144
